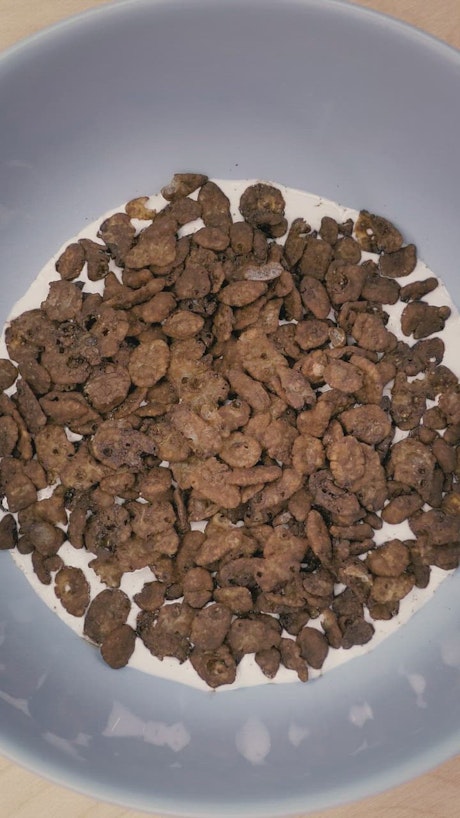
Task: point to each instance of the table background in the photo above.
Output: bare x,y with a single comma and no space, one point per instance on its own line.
25,795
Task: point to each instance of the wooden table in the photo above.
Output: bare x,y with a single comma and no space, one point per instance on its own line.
24,795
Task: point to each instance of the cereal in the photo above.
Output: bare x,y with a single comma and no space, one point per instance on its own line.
212,374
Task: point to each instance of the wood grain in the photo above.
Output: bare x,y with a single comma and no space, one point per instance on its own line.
25,795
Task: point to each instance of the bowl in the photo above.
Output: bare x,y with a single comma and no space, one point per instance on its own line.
318,95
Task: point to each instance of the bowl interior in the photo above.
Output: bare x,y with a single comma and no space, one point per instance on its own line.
318,95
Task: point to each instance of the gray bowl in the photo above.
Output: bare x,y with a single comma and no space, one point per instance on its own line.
319,95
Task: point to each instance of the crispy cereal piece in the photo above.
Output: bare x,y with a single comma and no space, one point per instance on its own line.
71,261
182,184
376,234
400,263
118,646
107,611
313,646
72,589
215,667
8,533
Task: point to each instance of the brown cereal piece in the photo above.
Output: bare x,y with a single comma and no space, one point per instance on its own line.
388,590
28,334
439,379
193,282
184,210
370,333
182,324
292,659
401,508
346,461
66,368
307,454
18,489
45,537
311,333
329,230
212,238
445,455
237,599
118,646
169,444
440,527
434,419
316,420
148,363
294,388
106,529
376,234
241,293
69,409
240,451
107,387
344,376
315,297
369,423
115,444
331,628
208,478
71,261
421,319
72,589
9,434
97,259
417,289
357,632
35,375
8,373
269,662
215,667
342,505
110,328
313,646
118,234
344,282
348,250
215,206
198,587
169,634
44,567
412,463
8,533
210,626
449,403
137,208
223,543
156,309
318,536
249,390
316,258
241,238
203,438
400,263
148,520
262,205
182,184
389,560
296,241
29,407
151,597
251,636
107,611
155,245
408,401
379,289
277,492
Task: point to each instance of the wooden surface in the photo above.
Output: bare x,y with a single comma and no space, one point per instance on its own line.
24,795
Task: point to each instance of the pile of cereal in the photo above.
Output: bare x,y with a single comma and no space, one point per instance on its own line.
225,377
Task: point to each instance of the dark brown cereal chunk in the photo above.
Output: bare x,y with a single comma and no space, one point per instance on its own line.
215,667
118,646
262,206
8,533
313,645
399,263
72,589
377,234
71,261
8,373
107,611
182,184
421,319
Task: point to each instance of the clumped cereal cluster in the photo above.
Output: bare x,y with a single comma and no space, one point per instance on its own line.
265,376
